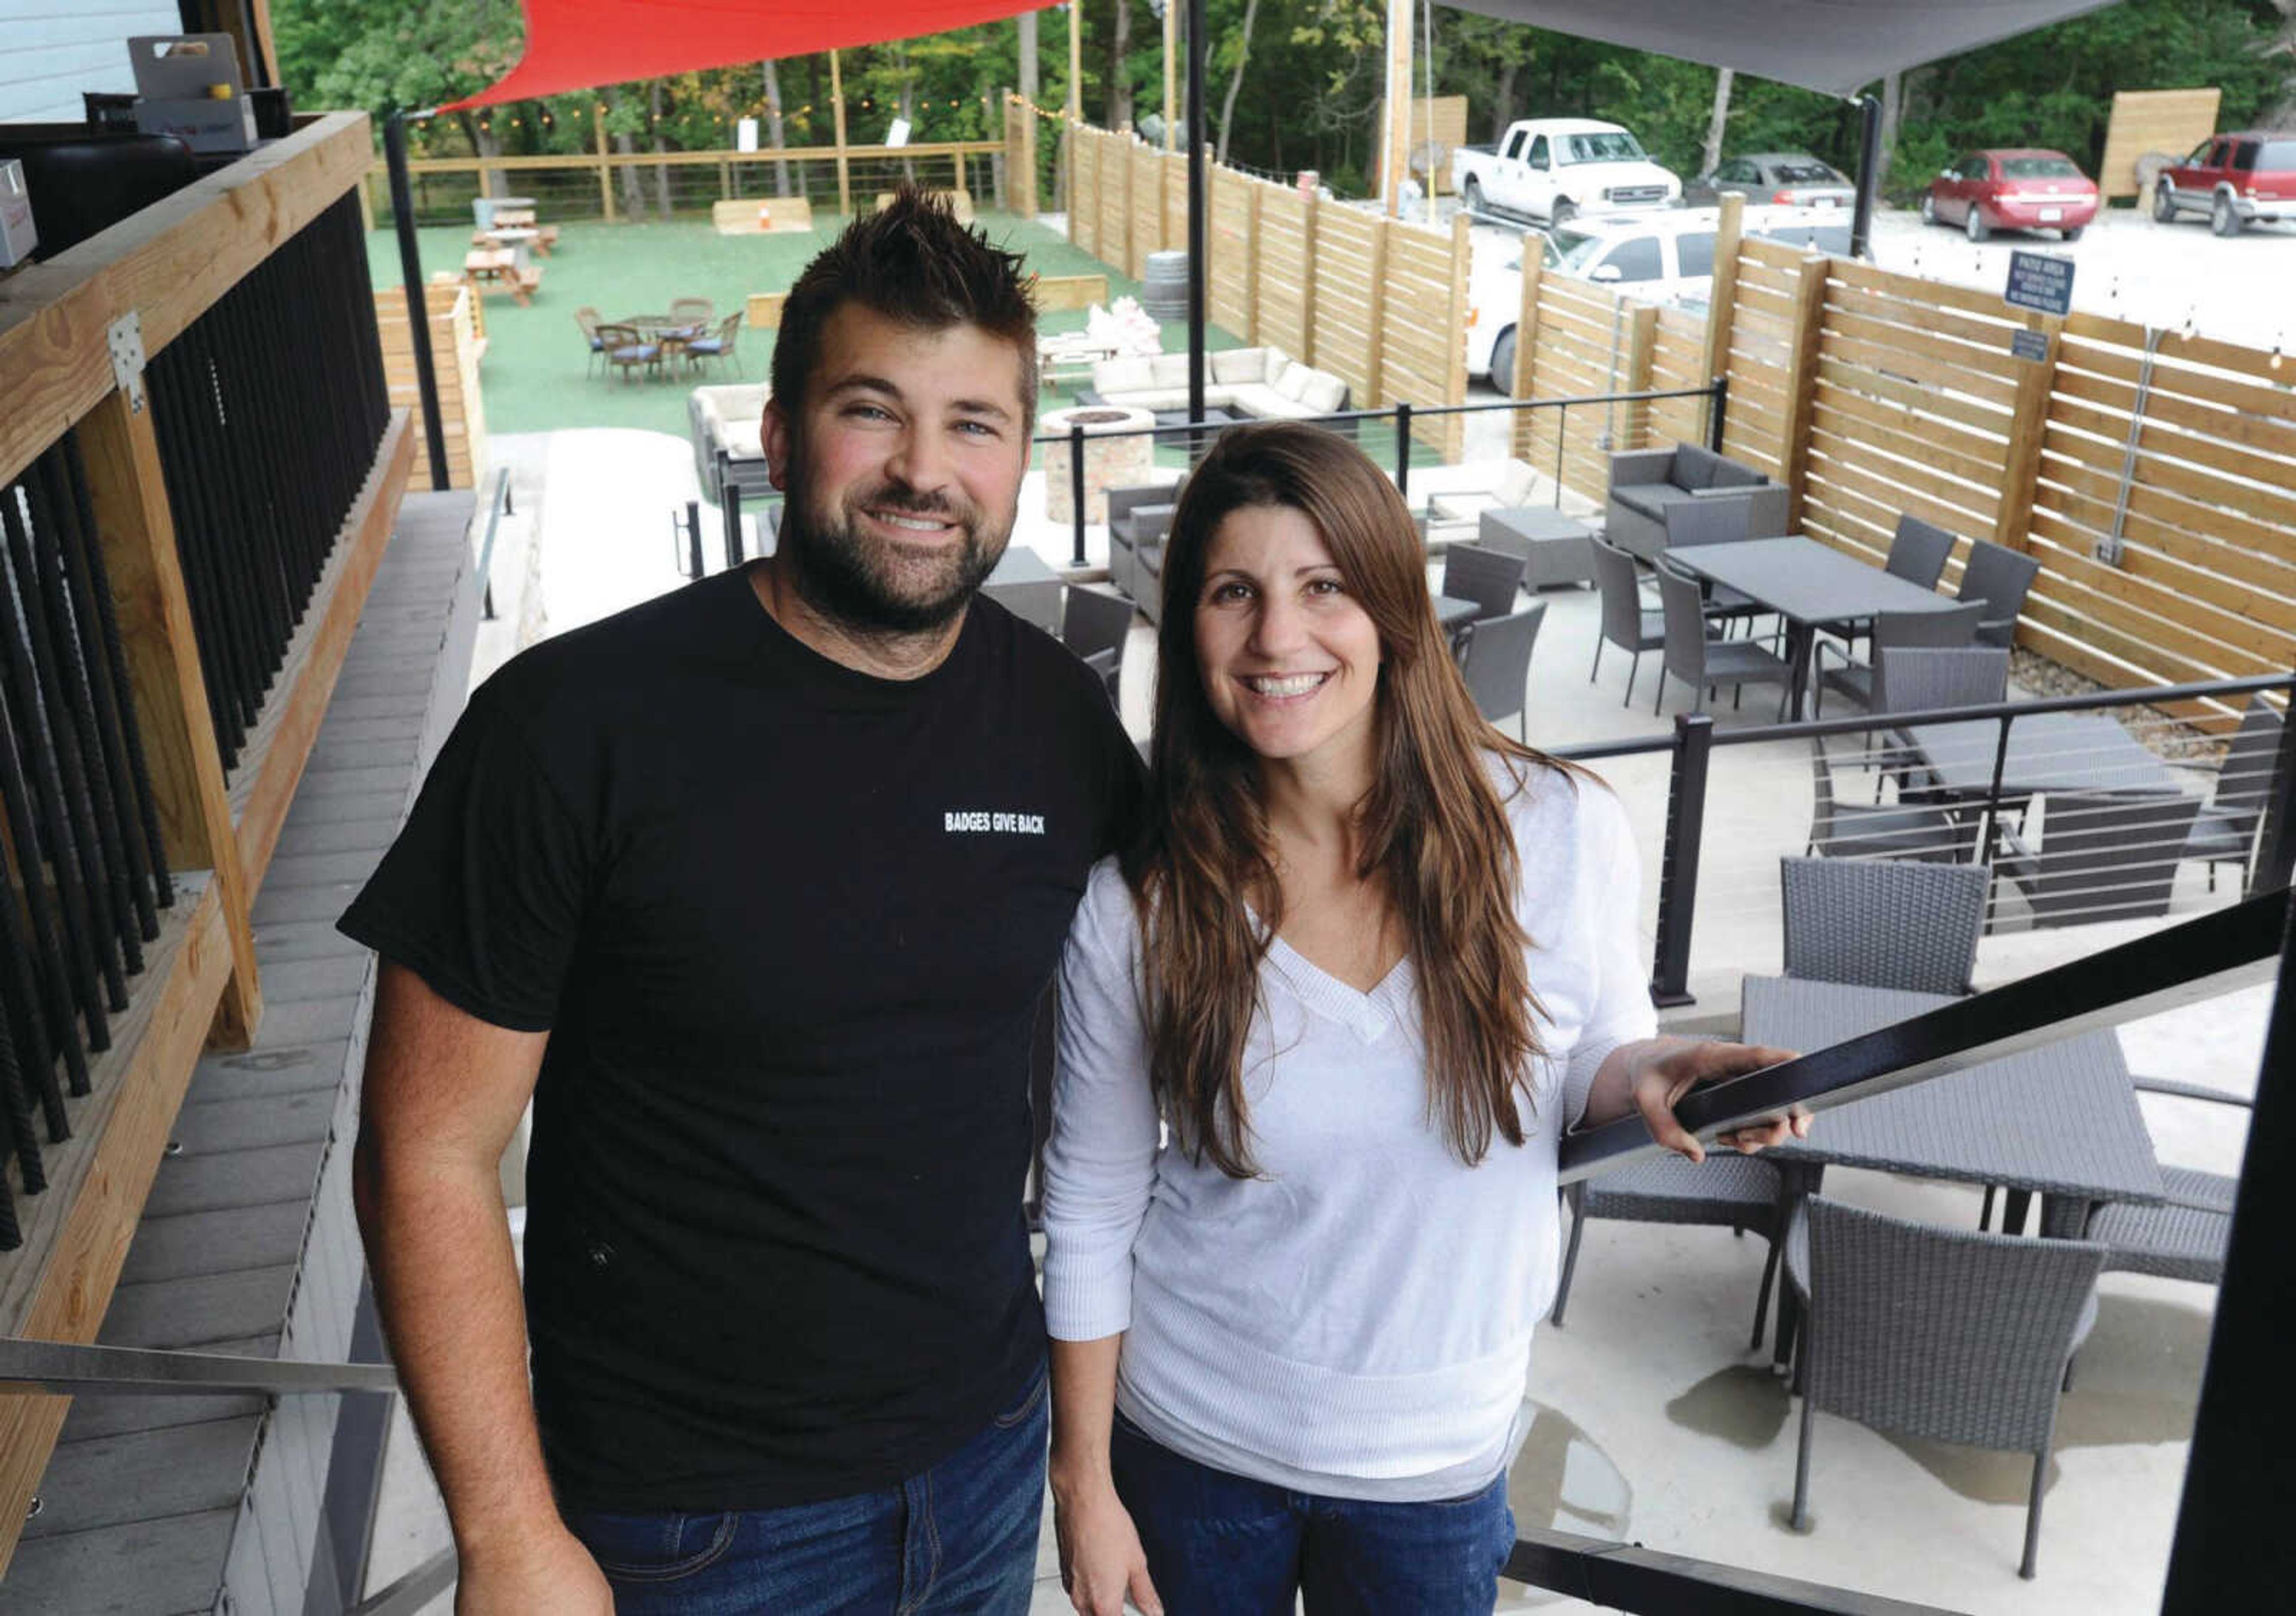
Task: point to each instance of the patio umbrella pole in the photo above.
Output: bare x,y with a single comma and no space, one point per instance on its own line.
1869,160
418,314
1198,182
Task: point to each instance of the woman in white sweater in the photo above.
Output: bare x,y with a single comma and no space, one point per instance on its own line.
1320,1033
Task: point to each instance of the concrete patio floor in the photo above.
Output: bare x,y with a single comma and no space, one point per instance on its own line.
1656,1423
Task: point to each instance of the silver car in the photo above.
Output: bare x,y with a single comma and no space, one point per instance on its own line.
1788,179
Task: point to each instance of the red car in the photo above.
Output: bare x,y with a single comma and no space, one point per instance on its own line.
2232,179
2023,189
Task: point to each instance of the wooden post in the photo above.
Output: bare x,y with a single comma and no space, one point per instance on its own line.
1722,301
1310,354
837,107
960,172
1526,348
138,535
1252,193
1075,106
1642,347
2027,428
1375,316
1801,384
1395,127
366,203
1021,164
605,168
1171,46
1455,382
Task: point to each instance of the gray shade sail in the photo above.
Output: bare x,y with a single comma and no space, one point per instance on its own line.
1834,46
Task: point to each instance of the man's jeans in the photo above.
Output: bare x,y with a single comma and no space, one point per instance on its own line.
959,1537
1218,1542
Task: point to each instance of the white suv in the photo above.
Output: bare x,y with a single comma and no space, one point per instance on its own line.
1659,259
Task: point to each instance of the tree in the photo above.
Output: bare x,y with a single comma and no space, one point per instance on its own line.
1712,154
1235,80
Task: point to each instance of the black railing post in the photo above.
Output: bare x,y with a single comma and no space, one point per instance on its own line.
1677,881
2277,855
729,501
418,309
1718,413
695,564
1991,828
1402,449
1076,488
1869,163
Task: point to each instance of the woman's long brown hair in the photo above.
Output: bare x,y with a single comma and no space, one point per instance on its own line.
1433,832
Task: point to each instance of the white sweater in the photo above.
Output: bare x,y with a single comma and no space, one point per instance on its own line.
1356,1320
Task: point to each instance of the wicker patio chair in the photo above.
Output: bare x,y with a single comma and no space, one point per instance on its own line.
1867,684
2102,857
721,346
1998,578
1496,664
1491,578
1625,623
1690,523
2185,1235
1883,922
2225,830
589,319
692,311
626,347
1094,626
1936,1333
1727,1190
1919,551
1699,661
1859,830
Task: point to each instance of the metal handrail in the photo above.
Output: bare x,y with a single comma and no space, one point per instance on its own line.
1628,1577
73,1368
2183,964
413,1591
1416,412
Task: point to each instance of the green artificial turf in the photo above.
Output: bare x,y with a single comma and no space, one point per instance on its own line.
533,373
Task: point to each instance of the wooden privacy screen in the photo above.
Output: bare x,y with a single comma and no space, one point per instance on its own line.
2170,122
457,342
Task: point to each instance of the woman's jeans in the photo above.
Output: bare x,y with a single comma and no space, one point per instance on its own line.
959,1539
1220,1545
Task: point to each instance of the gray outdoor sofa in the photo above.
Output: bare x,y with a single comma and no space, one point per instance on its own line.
1644,481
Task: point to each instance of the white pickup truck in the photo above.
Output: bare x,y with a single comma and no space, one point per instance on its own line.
1552,169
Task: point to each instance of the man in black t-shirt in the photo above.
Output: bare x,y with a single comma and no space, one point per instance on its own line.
753,889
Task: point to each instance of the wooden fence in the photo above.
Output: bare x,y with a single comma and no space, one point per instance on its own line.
1314,278
457,344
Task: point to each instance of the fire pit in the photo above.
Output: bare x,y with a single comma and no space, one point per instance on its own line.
1109,462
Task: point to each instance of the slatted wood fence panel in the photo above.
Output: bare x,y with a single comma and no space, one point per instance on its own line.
1145,169
2193,478
2145,121
1116,206
1677,360
1583,347
1761,356
1421,358
1233,282
455,344
1083,182
1283,299
1344,310
1175,164
1911,410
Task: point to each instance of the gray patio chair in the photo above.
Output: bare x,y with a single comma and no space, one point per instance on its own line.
1137,515
1491,578
1998,577
1691,522
2185,1235
1935,1332
1625,623
1919,551
1883,922
1727,1190
1847,831
1699,661
1496,664
1094,626
2102,856
1864,683
2225,830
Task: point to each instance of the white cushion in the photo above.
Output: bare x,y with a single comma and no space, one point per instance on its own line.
1236,364
1259,399
1276,360
1170,370
1324,393
1294,383
1122,376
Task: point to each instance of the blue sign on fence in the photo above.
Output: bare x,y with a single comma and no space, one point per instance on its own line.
2040,282
2030,345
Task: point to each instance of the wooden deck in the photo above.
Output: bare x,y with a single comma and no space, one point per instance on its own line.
156,1505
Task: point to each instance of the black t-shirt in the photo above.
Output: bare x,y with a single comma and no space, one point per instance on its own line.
786,925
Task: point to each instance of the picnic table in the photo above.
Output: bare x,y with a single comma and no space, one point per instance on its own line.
1808,585
498,269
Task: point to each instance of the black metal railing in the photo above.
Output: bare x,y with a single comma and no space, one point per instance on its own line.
268,409
2080,894
83,869
1197,435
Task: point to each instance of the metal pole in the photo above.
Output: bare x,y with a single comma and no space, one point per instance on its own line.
693,538
1869,159
729,497
418,310
1718,414
1402,449
1677,891
1199,184
1076,494
2276,856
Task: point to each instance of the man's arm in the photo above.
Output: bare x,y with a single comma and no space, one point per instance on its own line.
444,1091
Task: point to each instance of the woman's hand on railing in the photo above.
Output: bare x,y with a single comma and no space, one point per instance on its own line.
1102,1562
1653,1076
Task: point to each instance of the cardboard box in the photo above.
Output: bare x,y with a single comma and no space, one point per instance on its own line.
17,236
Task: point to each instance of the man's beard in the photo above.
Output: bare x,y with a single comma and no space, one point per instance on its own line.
872,585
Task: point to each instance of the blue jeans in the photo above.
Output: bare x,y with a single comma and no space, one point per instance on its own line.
959,1539
1220,1545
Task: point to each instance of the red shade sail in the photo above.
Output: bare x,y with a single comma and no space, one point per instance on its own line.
578,45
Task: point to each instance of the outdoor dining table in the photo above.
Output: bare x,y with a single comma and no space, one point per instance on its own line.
2047,751
2060,1121
1808,585
490,265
